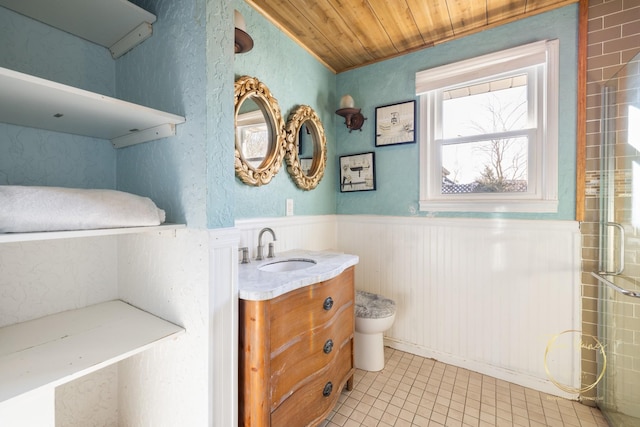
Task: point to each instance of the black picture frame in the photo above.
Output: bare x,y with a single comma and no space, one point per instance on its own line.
396,124
357,172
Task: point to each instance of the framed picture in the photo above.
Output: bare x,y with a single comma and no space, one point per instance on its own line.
395,124
357,172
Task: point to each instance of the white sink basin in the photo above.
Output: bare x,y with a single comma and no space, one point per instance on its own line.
287,265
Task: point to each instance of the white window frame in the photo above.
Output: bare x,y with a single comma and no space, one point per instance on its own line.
542,194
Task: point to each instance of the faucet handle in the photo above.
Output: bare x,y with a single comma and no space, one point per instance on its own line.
245,255
271,251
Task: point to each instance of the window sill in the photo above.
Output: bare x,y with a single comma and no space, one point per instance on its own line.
531,206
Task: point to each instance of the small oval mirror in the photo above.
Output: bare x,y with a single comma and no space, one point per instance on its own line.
260,142
306,148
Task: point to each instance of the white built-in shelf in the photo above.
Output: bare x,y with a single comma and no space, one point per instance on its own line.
53,235
117,25
34,102
59,348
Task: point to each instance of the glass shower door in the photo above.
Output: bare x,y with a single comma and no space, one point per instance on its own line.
619,276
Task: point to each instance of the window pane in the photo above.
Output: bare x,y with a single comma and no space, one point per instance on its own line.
495,166
495,106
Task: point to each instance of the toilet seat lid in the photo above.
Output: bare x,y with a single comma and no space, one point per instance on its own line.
373,306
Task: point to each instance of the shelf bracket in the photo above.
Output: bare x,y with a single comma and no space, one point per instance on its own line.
138,137
131,40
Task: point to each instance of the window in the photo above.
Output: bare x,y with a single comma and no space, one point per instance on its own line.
489,138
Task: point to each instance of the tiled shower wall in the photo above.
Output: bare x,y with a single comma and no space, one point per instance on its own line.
613,39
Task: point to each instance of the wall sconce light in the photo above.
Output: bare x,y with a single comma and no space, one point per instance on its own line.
244,42
352,116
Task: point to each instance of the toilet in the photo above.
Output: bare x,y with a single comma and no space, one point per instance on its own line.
374,315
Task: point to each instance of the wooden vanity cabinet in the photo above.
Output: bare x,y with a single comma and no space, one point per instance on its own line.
296,354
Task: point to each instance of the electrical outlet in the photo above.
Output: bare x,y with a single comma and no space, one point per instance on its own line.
289,207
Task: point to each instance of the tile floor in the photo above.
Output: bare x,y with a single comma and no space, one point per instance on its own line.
413,391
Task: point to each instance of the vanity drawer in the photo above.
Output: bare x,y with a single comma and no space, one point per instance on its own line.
311,402
306,354
283,366
301,310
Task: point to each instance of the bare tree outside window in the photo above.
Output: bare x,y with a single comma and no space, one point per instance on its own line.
482,150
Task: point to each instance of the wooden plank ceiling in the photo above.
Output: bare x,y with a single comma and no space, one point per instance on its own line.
346,34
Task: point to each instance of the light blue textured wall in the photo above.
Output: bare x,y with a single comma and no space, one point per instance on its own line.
169,72
184,68
220,154
294,78
187,67
388,82
35,157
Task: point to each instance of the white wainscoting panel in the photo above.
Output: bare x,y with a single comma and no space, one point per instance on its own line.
314,232
223,318
482,294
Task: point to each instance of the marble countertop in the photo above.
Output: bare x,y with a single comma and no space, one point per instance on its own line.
258,285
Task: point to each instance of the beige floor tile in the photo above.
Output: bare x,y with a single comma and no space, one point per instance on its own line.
385,397
345,410
440,409
505,415
501,422
487,417
470,421
520,421
411,407
505,406
339,419
368,399
456,415
412,391
393,410
358,416
380,404
453,423
414,398
444,401
488,408
419,420
423,412
376,413
370,422
458,406
389,418
406,415
438,417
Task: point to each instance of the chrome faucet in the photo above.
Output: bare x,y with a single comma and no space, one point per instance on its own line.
261,246
245,255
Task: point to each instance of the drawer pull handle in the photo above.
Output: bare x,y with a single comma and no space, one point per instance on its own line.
328,303
328,346
328,388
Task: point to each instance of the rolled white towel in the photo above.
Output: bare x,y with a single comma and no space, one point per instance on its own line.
32,208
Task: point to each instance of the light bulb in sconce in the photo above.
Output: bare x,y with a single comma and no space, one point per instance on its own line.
243,41
353,119
347,102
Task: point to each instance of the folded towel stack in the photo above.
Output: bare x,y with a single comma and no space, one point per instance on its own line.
27,209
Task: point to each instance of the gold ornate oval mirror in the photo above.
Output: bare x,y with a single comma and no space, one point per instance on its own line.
260,132
306,148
